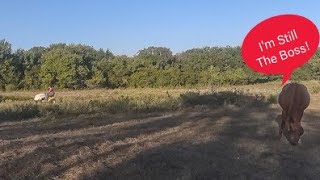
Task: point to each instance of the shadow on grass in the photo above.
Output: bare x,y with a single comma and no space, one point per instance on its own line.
248,150
215,142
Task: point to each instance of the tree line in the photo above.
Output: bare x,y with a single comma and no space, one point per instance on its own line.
77,66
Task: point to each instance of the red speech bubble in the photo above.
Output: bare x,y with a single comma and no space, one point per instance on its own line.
280,44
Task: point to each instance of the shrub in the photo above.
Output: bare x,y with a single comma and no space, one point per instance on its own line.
221,98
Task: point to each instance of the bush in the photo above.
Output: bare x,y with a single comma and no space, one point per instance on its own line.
215,99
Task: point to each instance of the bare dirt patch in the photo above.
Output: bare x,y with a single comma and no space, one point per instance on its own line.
193,143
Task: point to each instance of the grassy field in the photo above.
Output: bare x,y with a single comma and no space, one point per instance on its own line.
19,105
204,133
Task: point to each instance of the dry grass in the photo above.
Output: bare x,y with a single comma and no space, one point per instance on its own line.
201,140
264,88
17,105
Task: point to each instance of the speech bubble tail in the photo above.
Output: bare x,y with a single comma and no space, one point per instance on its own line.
285,78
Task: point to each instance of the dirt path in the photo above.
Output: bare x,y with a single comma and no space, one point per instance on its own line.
194,143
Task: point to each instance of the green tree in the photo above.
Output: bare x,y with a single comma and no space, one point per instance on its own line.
32,63
119,72
10,66
64,67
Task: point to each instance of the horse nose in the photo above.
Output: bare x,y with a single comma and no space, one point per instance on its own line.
293,143
293,140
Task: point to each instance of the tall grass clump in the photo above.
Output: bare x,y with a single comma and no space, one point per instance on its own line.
19,111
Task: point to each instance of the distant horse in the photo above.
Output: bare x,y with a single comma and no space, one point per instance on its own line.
42,97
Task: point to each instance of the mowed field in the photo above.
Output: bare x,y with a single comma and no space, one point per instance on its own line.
191,139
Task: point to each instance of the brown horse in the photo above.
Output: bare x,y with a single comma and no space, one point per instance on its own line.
293,99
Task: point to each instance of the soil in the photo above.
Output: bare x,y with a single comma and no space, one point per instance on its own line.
193,143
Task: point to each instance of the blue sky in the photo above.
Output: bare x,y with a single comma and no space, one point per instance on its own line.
126,26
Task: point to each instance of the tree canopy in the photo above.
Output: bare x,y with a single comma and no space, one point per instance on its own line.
81,66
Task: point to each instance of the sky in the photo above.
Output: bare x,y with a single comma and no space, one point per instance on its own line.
127,26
